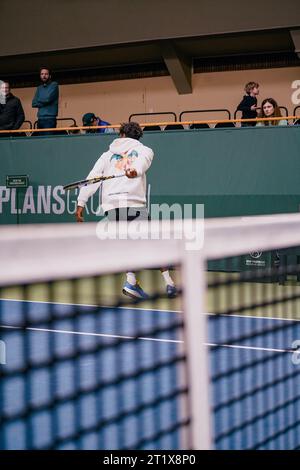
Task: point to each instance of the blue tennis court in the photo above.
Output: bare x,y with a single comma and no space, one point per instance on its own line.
112,378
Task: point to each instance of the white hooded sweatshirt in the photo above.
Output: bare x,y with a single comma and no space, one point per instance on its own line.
120,192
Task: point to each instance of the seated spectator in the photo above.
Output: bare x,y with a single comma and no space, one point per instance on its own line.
248,104
11,110
269,108
89,119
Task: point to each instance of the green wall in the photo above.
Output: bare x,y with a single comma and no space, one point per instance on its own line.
232,171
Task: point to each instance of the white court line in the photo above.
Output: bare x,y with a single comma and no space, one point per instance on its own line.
82,333
150,309
255,348
93,305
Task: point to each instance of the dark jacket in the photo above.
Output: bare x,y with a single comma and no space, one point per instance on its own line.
46,99
108,130
11,113
245,107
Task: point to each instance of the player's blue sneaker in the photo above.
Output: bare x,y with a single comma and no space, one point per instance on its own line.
171,291
135,291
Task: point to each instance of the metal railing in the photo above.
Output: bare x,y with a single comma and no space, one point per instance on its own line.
222,110
205,125
296,121
162,113
71,129
59,120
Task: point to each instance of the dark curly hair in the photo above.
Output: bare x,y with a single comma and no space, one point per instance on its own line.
131,129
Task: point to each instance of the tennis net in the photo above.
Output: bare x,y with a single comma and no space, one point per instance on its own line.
253,301
83,367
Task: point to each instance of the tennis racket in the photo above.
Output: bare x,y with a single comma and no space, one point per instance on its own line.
97,179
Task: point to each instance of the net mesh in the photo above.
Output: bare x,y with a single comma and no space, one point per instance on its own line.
253,331
102,374
84,367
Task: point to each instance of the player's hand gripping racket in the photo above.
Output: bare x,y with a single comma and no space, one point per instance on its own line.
81,183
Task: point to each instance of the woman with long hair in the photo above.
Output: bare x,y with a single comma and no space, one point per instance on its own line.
270,109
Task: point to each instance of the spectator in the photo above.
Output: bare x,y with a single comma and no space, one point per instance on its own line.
46,100
11,110
89,119
248,105
270,108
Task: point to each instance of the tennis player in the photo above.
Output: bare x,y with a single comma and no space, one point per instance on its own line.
124,198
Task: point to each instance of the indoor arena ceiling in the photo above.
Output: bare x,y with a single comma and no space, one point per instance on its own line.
177,45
